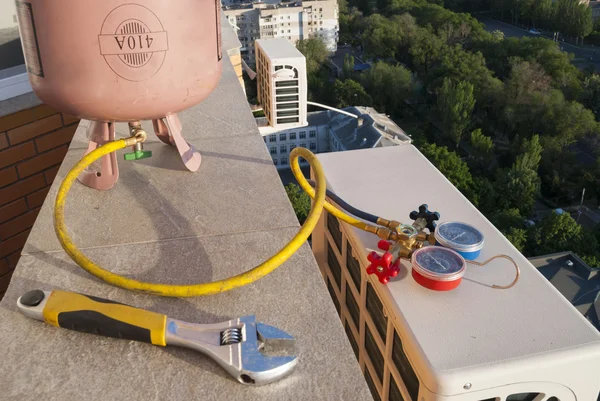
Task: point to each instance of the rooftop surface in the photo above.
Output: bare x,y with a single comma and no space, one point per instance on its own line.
576,281
376,128
163,223
480,325
278,48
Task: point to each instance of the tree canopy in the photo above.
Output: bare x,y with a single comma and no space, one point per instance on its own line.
300,201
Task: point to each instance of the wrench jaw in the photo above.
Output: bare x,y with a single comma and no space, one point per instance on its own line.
236,345
259,369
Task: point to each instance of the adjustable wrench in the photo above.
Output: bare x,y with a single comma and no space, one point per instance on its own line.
236,345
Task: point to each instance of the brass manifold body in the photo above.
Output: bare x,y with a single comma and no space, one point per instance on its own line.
406,238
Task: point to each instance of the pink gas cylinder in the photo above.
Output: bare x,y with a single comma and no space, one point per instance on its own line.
120,61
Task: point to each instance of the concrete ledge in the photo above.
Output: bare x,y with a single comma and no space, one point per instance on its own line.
163,223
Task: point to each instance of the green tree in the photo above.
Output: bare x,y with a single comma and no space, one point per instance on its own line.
590,96
381,37
389,86
498,35
451,165
426,49
519,186
482,146
351,93
300,201
455,104
557,233
531,153
542,14
348,67
517,237
484,195
315,51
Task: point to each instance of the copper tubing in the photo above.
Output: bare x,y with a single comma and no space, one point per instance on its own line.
502,287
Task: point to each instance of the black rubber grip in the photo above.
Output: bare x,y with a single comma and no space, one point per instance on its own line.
96,323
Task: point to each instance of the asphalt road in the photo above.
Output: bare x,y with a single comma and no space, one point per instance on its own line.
583,56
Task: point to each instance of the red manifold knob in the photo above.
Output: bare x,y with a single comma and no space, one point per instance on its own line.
382,266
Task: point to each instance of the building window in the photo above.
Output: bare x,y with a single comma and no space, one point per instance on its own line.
275,161
272,138
283,149
265,139
302,134
312,134
273,150
313,146
289,31
303,145
292,135
292,147
284,161
320,22
282,137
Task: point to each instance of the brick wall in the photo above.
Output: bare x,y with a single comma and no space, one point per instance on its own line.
33,143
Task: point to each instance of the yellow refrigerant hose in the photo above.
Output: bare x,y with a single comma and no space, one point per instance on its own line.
215,287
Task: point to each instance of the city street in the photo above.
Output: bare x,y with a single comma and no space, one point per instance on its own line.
582,55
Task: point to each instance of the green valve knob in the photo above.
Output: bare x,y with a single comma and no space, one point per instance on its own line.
138,155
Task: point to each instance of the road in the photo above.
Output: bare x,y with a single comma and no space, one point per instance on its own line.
582,55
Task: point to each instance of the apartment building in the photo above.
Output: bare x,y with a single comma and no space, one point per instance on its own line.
281,83
329,131
293,21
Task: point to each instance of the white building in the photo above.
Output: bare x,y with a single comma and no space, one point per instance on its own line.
328,131
281,83
292,21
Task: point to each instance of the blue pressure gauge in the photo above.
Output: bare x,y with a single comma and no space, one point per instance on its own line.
461,237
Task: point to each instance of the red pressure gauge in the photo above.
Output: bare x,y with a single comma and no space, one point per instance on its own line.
438,268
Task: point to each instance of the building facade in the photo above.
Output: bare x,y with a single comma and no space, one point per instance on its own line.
328,131
292,21
281,83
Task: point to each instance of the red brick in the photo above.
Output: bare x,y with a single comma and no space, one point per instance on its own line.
4,281
21,188
50,174
13,244
3,141
19,224
8,176
55,138
42,111
15,154
34,129
12,210
3,267
37,198
16,119
67,119
13,259
42,161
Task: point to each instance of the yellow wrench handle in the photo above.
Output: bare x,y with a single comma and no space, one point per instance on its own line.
94,315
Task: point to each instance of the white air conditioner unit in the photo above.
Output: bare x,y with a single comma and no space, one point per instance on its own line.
281,83
474,343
